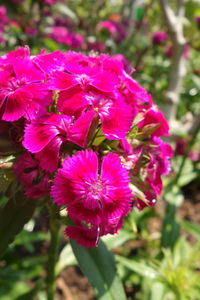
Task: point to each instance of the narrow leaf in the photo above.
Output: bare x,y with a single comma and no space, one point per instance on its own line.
99,266
191,227
138,267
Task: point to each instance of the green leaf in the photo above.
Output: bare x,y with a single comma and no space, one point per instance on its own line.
50,44
191,227
99,266
138,267
13,216
157,291
27,240
34,291
116,240
171,228
67,257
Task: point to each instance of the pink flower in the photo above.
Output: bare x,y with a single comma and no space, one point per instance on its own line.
194,156
133,93
50,2
3,16
159,37
97,199
116,116
86,237
32,31
34,180
51,62
45,136
82,91
22,92
154,116
181,145
89,236
61,34
126,65
146,163
116,30
96,45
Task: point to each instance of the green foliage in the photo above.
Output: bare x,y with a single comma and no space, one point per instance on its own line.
13,216
20,270
99,266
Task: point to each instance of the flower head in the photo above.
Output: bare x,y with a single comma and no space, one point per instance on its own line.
159,38
91,196
22,91
34,180
45,136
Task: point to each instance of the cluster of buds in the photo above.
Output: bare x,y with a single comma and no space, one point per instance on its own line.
86,123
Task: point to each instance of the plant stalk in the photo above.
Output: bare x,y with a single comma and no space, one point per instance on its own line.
53,250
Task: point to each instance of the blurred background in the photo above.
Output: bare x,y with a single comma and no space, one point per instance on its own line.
158,251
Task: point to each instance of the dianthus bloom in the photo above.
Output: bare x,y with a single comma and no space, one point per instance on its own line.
159,38
86,122
22,88
94,199
34,180
116,29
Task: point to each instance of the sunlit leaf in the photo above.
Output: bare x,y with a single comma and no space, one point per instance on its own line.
138,267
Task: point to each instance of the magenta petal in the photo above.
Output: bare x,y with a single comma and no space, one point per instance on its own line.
63,191
51,62
35,183
117,175
37,136
85,163
6,72
117,200
61,81
25,68
70,182
70,101
78,211
40,93
38,190
20,52
80,129
154,116
105,85
49,156
26,162
16,105
137,92
86,237
117,121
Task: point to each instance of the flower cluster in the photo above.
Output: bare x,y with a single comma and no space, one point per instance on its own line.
86,119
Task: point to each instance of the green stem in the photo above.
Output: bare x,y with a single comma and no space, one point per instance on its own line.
53,250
